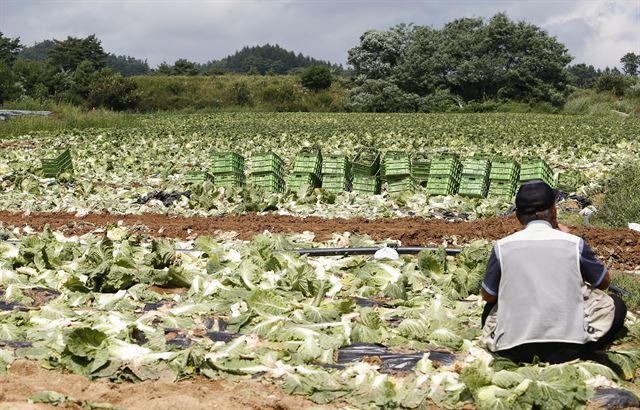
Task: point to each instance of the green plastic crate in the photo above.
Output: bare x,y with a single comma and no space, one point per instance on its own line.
296,181
308,162
476,167
197,176
396,163
366,163
336,183
227,163
336,165
268,182
52,167
230,180
442,185
535,168
400,184
366,184
446,165
473,186
267,162
504,189
568,181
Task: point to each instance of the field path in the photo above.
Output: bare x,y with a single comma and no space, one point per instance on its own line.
619,247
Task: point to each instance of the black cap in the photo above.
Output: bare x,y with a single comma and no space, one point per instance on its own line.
535,196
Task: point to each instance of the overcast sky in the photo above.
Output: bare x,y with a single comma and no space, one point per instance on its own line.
596,32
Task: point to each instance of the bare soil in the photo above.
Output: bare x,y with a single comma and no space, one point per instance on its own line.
620,248
27,378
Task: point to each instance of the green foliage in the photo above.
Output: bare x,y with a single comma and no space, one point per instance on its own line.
380,96
38,51
9,86
582,75
113,91
611,81
316,77
263,59
70,53
241,94
622,202
184,67
468,57
9,49
127,66
631,63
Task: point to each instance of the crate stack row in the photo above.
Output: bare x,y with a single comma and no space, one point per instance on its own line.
474,181
503,178
267,172
336,173
444,175
52,167
366,173
396,171
228,170
535,168
307,170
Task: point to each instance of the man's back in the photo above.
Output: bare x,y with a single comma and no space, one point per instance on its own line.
541,284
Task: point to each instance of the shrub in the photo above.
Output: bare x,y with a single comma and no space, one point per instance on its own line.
380,96
317,77
621,204
613,82
112,90
241,94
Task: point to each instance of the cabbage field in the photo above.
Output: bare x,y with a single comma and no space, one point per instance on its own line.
97,283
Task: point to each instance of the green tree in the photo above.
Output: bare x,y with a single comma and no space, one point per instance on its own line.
185,67
70,53
39,79
630,63
469,57
126,65
582,75
611,80
38,51
316,77
111,90
9,49
9,86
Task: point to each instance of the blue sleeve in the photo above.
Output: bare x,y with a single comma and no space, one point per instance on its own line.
592,269
491,281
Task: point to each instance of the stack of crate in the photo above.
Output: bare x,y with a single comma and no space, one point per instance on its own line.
503,178
475,177
52,167
444,175
420,170
307,170
336,173
228,170
366,173
267,172
396,171
535,168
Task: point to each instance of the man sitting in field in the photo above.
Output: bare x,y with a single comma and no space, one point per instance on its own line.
544,289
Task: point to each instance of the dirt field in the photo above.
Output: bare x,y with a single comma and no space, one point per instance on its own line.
620,248
28,378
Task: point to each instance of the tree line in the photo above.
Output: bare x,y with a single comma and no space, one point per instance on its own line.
80,72
469,64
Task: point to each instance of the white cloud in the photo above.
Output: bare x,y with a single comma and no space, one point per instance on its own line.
608,30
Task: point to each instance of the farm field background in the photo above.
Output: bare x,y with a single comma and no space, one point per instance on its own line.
203,289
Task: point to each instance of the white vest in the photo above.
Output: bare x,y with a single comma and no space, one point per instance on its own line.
540,297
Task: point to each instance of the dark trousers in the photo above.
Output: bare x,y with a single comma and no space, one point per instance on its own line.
554,352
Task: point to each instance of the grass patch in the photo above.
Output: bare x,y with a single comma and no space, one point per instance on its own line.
621,203
65,117
631,283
